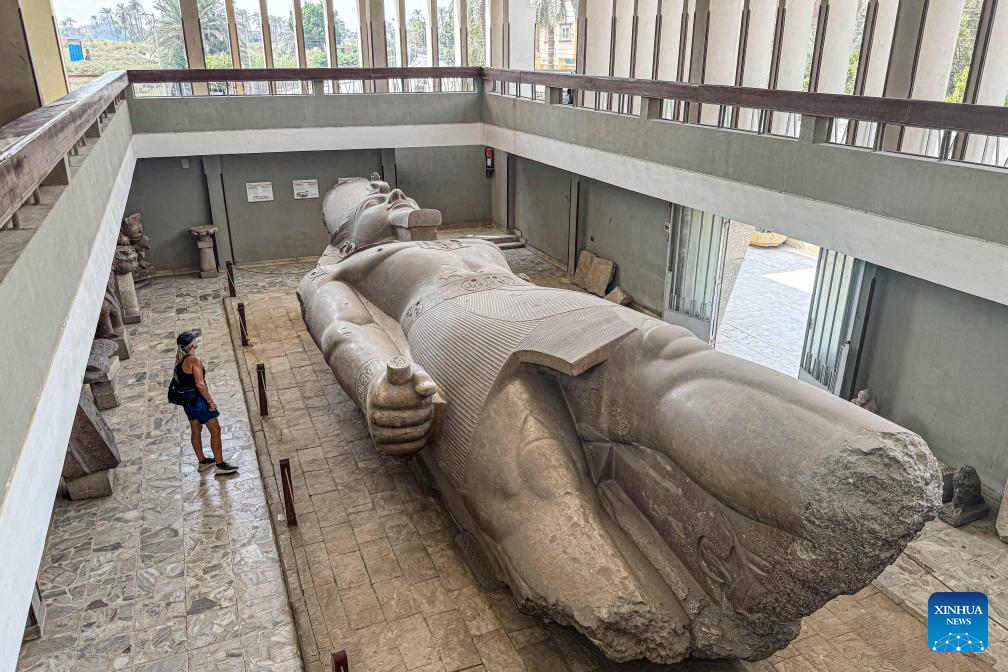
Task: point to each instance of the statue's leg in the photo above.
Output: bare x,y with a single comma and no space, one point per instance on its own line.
527,487
797,495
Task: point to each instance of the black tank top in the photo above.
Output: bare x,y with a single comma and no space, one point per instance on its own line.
187,379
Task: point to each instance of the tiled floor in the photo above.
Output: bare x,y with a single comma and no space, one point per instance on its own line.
766,315
178,570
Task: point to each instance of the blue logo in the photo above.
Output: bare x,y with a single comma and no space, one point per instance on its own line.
957,622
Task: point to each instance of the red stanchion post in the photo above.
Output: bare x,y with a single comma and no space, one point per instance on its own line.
261,376
340,662
242,324
287,485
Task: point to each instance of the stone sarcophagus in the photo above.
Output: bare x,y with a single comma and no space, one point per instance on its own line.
665,500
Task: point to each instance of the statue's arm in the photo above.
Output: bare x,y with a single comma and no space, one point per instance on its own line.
395,395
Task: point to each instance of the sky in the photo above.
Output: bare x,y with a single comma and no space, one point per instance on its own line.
81,10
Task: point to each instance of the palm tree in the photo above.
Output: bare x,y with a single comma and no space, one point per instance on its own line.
548,14
108,18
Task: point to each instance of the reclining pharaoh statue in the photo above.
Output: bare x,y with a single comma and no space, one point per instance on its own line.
666,500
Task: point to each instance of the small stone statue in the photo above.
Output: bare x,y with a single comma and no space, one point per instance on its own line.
133,231
124,264
967,504
866,400
110,321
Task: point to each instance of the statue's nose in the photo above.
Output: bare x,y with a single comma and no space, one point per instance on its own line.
396,195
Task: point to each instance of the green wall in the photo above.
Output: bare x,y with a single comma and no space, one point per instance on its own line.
936,359
171,199
628,229
542,206
450,179
285,227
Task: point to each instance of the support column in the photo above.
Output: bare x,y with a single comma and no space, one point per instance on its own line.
388,167
698,52
374,22
899,79
572,222
192,36
212,171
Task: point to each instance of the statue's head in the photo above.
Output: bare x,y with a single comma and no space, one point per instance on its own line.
369,213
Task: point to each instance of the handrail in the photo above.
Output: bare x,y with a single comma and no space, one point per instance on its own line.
296,74
31,145
984,119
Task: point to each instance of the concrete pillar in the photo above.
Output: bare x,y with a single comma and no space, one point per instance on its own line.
837,46
794,52
373,20
193,38
205,243
521,35
19,93
934,63
644,50
757,57
991,91
598,35
670,40
721,55
388,167
212,170
878,62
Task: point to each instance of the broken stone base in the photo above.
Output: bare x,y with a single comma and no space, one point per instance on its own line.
122,345
98,484
104,390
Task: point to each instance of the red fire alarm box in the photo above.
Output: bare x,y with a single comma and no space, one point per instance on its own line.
488,151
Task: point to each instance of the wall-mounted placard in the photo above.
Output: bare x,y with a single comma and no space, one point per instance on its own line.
259,191
305,189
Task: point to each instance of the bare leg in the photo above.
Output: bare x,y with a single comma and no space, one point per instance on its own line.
196,436
215,440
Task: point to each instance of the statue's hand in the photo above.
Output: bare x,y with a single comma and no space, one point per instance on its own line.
400,408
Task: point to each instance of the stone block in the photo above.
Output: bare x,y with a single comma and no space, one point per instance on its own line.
600,275
583,267
98,484
106,396
122,344
617,295
92,447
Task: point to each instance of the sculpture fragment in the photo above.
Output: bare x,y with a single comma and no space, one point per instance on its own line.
664,499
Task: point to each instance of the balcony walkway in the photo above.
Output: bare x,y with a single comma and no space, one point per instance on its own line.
178,570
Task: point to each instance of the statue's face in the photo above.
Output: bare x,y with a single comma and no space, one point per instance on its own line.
374,214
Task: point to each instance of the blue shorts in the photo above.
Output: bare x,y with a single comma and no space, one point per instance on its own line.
200,412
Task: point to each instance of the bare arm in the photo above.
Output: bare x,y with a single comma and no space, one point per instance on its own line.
363,357
201,386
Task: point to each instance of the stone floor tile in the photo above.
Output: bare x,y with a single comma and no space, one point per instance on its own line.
396,599
455,645
379,560
497,653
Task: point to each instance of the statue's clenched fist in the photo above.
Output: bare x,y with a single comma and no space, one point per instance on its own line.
400,408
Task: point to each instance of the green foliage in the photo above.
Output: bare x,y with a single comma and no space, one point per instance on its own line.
475,17
313,17
106,56
958,87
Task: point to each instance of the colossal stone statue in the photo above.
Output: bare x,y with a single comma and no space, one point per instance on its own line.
621,477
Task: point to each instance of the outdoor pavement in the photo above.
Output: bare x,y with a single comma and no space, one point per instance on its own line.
768,309
184,571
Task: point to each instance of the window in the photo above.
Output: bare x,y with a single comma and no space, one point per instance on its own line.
316,45
565,32
145,34
249,28
347,28
448,30
476,19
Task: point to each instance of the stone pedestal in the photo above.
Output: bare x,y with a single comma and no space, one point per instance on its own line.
1002,519
103,388
91,454
205,243
128,297
98,484
122,344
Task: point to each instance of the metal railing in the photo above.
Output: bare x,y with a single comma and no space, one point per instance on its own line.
31,146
